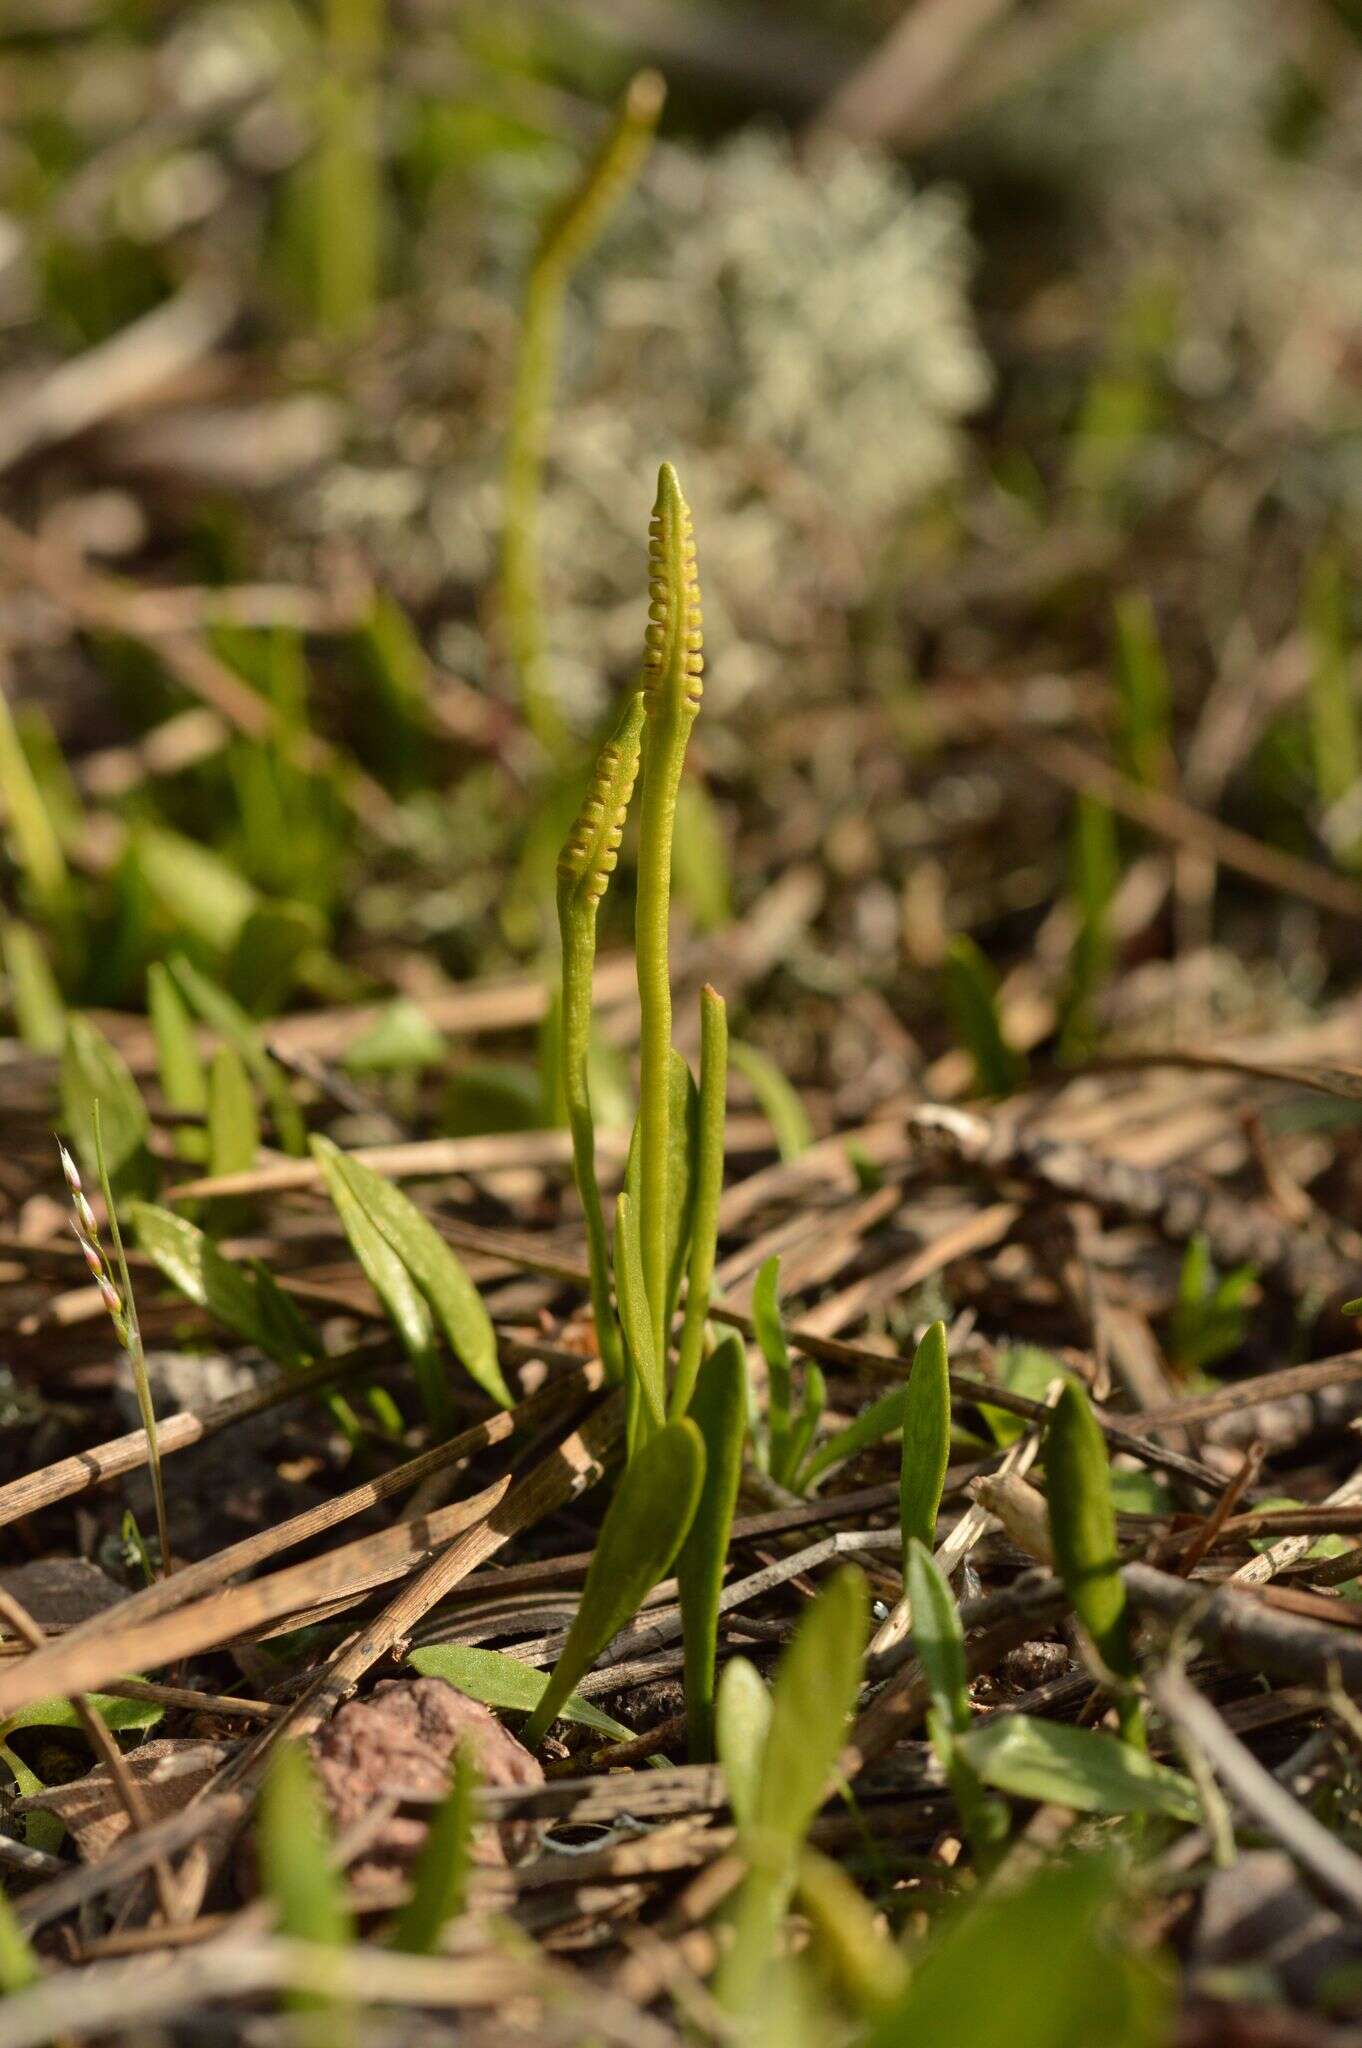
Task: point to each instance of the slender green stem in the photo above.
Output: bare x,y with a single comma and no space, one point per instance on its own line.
131,1333
708,1190
567,234
584,870
349,169
671,676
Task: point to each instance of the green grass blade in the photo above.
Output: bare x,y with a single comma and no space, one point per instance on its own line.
1336,744
1146,725
217,1009
31,830
719,1410
778,1102
95,1072
19,1967
769,1327
295,1865
939,1641
926,1440
879,1420
805,1426
644,1528
440,1881
742,1721
233,1125
1083,1535
35,999
972,998
179,1063
938,1638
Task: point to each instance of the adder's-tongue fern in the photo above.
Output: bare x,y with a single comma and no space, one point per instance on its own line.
585,866
673,657
672,665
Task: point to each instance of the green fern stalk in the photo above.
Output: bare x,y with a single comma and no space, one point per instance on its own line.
708,1190
567,234
584,870
672,666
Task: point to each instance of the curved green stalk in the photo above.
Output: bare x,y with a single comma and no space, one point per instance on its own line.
672,664
584,869
567,234
709,1186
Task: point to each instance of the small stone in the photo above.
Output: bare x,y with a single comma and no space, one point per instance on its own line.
60,1591
401,1743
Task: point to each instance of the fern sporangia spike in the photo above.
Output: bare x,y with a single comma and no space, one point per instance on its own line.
673,646
672,665
591,848
585,866
567,234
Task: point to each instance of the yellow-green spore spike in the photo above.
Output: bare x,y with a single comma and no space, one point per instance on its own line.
672,665
585,866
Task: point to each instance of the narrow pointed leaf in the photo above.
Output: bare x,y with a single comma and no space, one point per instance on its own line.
193,1263
644,1527
504,1682
926,1439
437,1271
769,1326
742,1720
440,1881
719,1410
938,1637
1083,1527
35,999
233,1126
1083,1768
386,1274
776,1099
93,1071
816,1685
179,1063
874,1423
295,1867
217,1009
